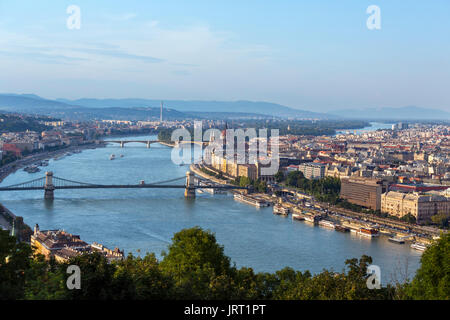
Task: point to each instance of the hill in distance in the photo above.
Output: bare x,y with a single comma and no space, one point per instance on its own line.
146,109
387,113
242,106
30,103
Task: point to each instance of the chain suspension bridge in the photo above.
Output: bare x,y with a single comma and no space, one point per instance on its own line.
49,183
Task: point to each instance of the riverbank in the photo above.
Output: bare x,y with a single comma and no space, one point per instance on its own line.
167,144
12,167
140,221
343,217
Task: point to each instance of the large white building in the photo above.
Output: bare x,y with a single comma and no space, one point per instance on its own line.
312,170
420,205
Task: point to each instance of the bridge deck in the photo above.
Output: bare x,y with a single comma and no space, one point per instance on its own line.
125,186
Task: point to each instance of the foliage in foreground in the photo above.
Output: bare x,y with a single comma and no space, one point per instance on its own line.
195,267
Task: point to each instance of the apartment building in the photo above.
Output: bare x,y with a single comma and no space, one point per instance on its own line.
363,191
420,205
312,170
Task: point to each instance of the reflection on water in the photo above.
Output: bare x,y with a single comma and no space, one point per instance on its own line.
146,219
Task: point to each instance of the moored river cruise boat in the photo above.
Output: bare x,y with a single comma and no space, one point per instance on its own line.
298,217
419,246
368,232
327,224
341,228
312,218
247,200
280,210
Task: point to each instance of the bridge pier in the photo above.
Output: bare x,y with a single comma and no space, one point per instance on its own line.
122,144
49,188
189,192
148,144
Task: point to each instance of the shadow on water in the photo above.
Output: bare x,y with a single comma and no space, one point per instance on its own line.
49,204
189,203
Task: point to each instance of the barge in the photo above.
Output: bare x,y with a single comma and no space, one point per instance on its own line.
247,200
368,232
341,228
419,246
327,224
280,210
396,240
298,217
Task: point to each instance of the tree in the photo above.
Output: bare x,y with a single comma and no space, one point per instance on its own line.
408,218
148,282
193,261
279,176
293,177
244,181
441,219
97,281
45,280
432,280
14,262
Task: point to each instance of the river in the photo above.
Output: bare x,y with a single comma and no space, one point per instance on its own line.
144,220
374,126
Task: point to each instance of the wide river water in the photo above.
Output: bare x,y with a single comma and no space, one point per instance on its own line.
373,127
144,220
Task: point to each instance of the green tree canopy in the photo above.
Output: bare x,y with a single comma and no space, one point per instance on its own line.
432,280
14,261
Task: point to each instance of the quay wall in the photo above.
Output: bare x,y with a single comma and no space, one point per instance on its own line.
23,231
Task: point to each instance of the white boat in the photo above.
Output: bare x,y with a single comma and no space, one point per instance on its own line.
280,210
419,246
121,155
112,157
396,240
327,224
297,216
368,232
312,218
32,169
248,200
44,163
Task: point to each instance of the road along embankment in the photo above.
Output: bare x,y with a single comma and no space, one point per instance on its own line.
12,167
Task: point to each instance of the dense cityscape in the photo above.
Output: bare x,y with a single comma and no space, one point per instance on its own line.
392,182
238,159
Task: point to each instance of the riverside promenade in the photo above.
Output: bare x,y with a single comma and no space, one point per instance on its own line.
12,167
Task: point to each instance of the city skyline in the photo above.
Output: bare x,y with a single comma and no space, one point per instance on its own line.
318,57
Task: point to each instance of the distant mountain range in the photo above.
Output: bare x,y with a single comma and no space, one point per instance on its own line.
146,109
32,104
249,107
403,113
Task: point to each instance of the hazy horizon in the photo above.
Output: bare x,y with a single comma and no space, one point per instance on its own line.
204,100
310,56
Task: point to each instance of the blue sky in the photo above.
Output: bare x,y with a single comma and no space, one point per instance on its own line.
314,55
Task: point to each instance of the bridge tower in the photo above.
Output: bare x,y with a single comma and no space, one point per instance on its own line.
49,188
189,192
